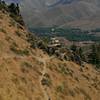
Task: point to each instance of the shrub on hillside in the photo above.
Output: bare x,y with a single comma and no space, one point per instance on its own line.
18,51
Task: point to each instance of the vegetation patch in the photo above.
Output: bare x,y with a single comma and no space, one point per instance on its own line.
12,23
18,51
25,67
64,70
2,30
46,80
18,33
60,88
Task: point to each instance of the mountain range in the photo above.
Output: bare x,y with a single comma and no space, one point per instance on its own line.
63,13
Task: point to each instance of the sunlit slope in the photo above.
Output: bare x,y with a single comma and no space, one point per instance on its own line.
29,74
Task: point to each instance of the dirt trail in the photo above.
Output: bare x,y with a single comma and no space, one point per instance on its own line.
44,90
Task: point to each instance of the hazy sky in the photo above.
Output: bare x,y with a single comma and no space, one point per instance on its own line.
16,1
49,2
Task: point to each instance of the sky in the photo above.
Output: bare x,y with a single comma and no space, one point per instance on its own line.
55,2
15,1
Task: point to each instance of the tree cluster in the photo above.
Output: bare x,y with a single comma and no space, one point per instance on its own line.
14,11
94,56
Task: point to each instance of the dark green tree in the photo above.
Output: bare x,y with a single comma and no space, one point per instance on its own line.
17,9
0,1
3,5
80,53
15,13
94,56
12,8
73,48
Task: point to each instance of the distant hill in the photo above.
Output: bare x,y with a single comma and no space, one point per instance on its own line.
63,13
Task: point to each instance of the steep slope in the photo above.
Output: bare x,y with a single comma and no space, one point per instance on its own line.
16,64
29,74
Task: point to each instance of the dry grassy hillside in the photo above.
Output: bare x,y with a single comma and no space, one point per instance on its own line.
29,74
